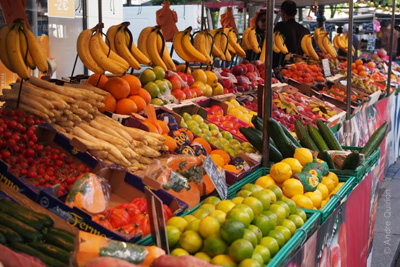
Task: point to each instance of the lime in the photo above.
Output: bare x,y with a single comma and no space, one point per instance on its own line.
237,200
258,258
212,200
247,209
194,225
232,230
189,218
223,141
249,263
153,89
290,225
302,214
286,206
277,191
284,231
239,215
191,241
192,123
272,217
247,145
183,124
205,137
291,204
244,193
264,223
179,252
298,221
250,236
223,260
208,207
256,231
271,194
278,236
219,215
214,245
178,222
240,249
186,116
232,152
250,150
264,252
213,127
196,130
271,244
237,147
264,198
227,135
250,187
200,213
279,211
254,204
203,256
208,226
147,76
173,235
225,206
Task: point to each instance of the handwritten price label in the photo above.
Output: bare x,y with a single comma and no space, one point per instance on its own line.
61,8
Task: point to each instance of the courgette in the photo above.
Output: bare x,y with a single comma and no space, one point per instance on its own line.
49,261
62,233
290,136
3,240
58,241
26,231
47,221
26,218
375,140
352,161
325,156
316,137
257,122
280,139
52,251
328,136
10,235
304,137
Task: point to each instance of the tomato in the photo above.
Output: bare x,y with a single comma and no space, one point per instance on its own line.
131,208
167,212
11,124
144,223
118,217
102,220
131,228
141,203
5,154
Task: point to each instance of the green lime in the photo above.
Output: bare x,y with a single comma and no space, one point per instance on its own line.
153,89
277,191
249,263
291,204
250,236
290,225
278,236
271,244
298,221
191,241
272,217
239,215
264,198
302,214
212,200
264,223
256,231
173,235
214,245
147,76
179,252
284,231
240,249
157,102
264,252
232,230
203,256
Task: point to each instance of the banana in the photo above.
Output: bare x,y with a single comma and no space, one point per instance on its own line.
224,45
14,52
25,52
123,50
113,55
304,45
341,41
328,45
230,47
310,48
39,58
177,42
263,51
245,38
217,52
165,55
189,48
111,36
3,46
152,49
280,43
320,42
142,41
200,43
140,57
317,32
274,47
233,41
253,41
101,58
336,41
83,49
209,41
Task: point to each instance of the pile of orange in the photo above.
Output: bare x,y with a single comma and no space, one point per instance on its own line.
127,95
358,68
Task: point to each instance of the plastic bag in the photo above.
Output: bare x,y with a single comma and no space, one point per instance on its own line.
90,193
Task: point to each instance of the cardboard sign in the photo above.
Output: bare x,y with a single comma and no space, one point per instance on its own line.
216,177
325,66
61,8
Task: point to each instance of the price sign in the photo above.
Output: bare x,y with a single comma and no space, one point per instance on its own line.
216,177
61,8
327,69
371,42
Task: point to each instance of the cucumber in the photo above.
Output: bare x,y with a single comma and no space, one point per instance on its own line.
52,251
375,140
290,136
352,161
10,235
257,122
3,240
274,154
280,138
62,233
49,261
304,137
27,232
47,221
58,241
325,156
328,136
317,138
26,218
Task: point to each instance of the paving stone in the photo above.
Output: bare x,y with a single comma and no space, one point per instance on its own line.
384,249
394,188
388,214
397,176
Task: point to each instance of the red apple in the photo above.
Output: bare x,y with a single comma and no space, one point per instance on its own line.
189,79
237,70
183,76
250,68
188,93
198,90
231,118
227,124
194,92
178,94
227,84
217,109
243,66
225,91
176,82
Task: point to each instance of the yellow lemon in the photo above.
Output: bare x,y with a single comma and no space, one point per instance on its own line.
303,155
203,256
330,184
303,202
323,202
294,164
178,222
280,172
316,198
235,103
334,178
292,187
265,181
223,260
179,252
323,189
200,75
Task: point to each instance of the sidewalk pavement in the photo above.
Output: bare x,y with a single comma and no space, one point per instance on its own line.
385,248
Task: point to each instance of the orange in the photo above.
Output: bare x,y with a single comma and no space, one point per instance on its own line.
94,79
360,68
203,143
354,71
223,154
353,66
110,104
363,74
170,142
126,107
145,95
118,87
134,83
140,103
163,126
218,160
151,126
231,168
358,62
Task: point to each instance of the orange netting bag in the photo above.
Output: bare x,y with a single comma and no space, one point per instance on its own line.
166,18
228,20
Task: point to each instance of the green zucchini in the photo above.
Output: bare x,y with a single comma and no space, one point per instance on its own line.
325,156
10,235
26,231
62,233
328,136
257,122
47,221
52,251
280,139
49,261
3,240
290,136
352,161
304,137
27,218
316,137
58,241
375,140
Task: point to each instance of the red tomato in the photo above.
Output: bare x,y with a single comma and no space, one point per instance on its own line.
131,208
141,203
118,217
131,228
144,223
102,220
167,212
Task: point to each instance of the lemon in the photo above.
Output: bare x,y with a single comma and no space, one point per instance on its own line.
265,181
328,182
178,222
315,198
223,260
194,225
303,155
173,235
323,202
235,103
294,164
280,172
179,252
249,263
203,256
191,241
235,112
292,187
208,207
303,202
208,226
200,213
323,189
189,218
225,205
237,200
219,215
334,178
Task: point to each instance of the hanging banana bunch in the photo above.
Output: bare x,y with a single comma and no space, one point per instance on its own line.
323,42
307,47
250,40
280,42
202,42
185,49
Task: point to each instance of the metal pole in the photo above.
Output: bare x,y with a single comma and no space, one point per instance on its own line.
245,15
267,95
391,48
100,5
84,26
349,58
202,15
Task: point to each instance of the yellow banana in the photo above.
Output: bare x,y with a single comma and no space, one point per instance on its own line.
189,48
111,36
140,57
152,49
142,41
304,45
233,41
245,38
342,41
177,42
83,49
224,43
320,43
14,52
280,43
101,58
317,32
263,51
336,41
253,41
24,51
3,46
114,56
123,50
310,48
230,47
328,45
208,47
217,52
38,56
274,47
200,43
165,55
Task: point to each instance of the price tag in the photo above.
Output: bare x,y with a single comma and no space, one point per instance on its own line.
371,42
325,66
61,8
216,177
